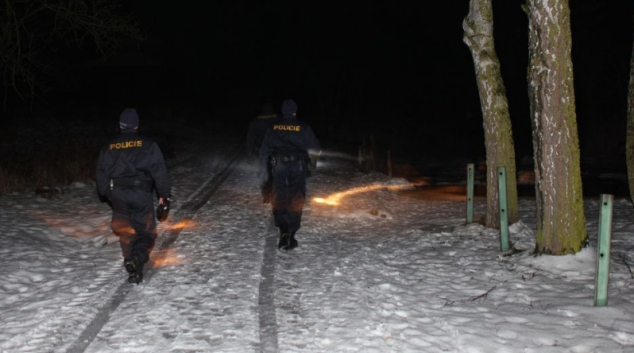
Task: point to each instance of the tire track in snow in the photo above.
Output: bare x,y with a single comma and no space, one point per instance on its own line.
266,307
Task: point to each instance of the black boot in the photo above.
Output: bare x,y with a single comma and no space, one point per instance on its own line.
292,244
135,271
285,238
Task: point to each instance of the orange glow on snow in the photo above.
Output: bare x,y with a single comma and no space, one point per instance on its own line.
166,259
180,225
335,199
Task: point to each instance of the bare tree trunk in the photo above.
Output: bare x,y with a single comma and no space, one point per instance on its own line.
629,139
561,227
500,149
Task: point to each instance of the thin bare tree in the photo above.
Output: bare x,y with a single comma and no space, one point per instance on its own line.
498,137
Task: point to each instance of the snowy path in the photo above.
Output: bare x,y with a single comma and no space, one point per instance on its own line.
378,270
171,230
370,275
57,278
52,283
204,294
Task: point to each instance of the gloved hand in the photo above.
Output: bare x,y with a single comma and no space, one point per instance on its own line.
162,210
312,160
265,189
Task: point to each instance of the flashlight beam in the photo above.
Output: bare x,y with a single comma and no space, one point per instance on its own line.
335,199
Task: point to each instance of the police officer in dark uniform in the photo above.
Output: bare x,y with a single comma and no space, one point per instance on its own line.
129,167
257,129
286,146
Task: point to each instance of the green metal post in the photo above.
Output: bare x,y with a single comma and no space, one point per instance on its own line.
470,178
504,222
602,275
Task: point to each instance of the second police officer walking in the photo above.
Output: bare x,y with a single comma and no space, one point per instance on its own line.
286,146
257,129
128,169
255,135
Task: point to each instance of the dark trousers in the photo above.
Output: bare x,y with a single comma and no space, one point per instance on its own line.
266,182
289,193
133,220
267,187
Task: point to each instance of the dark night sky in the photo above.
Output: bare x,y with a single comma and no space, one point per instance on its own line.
399,69
381,57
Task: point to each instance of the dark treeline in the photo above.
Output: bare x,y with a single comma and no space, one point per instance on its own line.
396,71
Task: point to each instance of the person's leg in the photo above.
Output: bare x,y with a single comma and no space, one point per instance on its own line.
297,197
279,197
144,224
121,223
281,201
266,189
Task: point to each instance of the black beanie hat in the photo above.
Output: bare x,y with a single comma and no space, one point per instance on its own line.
129,119
289,107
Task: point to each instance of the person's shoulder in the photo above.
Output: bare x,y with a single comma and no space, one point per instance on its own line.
266,117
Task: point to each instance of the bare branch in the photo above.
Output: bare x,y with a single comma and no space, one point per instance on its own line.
482,296
31,28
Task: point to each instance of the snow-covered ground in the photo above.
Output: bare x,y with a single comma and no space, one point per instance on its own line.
381,267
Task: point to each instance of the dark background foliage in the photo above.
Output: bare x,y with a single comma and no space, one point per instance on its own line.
397,71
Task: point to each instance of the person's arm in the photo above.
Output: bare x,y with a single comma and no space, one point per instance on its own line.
101,175
264,159
312,143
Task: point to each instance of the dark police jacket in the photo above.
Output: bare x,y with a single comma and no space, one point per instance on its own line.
257,129
287,136
129,157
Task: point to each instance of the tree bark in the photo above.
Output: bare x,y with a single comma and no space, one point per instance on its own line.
561,227
500,149
629,139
